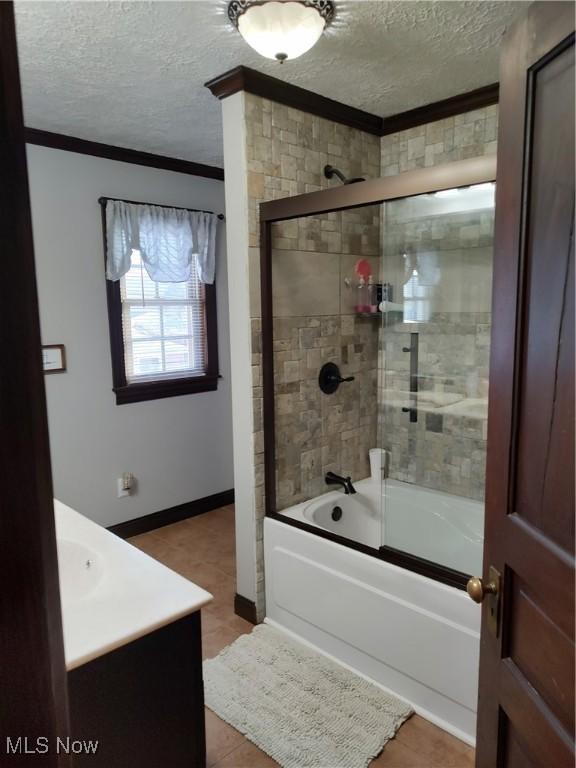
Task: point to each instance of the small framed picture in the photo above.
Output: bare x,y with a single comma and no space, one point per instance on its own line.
53,358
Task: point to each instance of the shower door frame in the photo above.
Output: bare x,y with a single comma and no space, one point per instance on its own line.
460,173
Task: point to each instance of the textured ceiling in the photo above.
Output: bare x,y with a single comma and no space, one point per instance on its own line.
132,73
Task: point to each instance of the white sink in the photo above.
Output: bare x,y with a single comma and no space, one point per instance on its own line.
80,570
112,593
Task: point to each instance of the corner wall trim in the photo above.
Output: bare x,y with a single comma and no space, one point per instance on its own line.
245,608
429,113
246,79
172,515
121,154
268,87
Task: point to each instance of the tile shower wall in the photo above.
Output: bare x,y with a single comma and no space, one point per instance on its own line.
286,152
446,449
318,432
470,134
314,295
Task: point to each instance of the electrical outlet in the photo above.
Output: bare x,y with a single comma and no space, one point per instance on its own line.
124,484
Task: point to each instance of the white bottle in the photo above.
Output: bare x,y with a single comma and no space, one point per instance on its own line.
377,464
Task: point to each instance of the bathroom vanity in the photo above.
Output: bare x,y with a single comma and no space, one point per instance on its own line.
133,651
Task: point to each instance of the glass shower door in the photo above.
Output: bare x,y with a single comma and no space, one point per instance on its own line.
325,352
433,373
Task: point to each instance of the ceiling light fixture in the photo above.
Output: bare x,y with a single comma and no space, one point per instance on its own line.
281,29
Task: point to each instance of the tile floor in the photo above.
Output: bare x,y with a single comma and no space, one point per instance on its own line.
202,550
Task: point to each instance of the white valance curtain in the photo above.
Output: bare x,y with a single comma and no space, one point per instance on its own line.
168,240
426,266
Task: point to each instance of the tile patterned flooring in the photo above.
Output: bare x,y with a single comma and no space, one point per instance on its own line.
202,550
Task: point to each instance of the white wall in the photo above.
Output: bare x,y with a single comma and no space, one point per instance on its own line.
235,166
178,448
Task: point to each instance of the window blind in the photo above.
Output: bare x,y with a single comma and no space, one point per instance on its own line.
163,325
416,300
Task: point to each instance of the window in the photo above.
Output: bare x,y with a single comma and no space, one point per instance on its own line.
416,300
163,334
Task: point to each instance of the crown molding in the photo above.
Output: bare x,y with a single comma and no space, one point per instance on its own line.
121,154
438,110
268,87
251,81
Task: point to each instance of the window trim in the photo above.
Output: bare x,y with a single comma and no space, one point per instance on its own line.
156,390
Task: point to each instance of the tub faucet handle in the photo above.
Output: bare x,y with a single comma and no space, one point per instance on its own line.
332,478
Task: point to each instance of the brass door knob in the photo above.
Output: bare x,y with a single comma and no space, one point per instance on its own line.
478,590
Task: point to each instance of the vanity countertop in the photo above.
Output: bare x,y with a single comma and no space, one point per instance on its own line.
111,592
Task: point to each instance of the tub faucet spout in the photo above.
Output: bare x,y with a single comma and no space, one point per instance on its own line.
346,482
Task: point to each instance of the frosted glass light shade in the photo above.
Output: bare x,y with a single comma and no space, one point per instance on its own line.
281,30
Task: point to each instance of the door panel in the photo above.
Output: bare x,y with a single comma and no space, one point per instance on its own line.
545,663
543,421
33,696
524,714
526,699
515,757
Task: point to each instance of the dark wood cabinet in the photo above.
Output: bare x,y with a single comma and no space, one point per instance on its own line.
144,702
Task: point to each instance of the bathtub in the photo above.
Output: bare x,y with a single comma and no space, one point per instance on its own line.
433,525
414,636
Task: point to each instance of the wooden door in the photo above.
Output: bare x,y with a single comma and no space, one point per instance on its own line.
526,699
32,673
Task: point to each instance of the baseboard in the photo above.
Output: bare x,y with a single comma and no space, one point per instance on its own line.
245,608
172,515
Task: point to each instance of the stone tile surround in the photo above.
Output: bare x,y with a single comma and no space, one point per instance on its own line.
314,294
444,450
286,151
470,134
318,432
356,231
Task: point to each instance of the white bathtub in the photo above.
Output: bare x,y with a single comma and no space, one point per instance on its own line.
410,634
436,526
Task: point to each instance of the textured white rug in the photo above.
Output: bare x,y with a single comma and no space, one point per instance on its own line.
299,707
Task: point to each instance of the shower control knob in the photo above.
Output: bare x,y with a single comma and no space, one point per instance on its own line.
478,590
330,379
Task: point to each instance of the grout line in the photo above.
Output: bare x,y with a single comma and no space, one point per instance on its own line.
214,764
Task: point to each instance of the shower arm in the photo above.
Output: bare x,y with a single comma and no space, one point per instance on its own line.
330,171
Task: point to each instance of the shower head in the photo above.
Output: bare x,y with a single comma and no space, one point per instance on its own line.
330,172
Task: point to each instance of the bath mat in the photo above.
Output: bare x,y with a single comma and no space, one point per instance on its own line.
302,709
